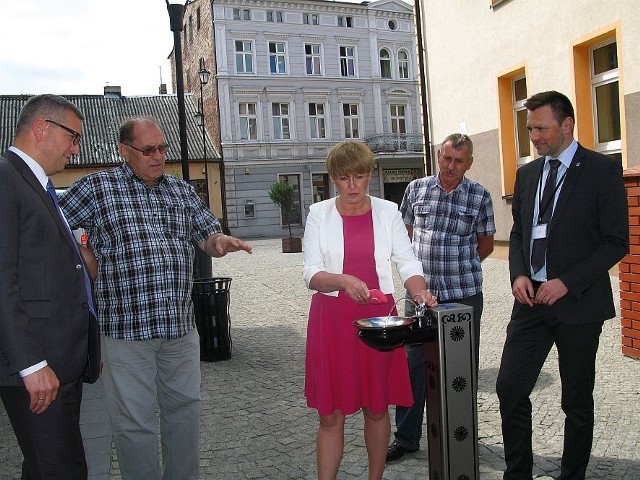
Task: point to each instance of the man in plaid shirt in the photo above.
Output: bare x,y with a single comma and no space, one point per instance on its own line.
143,226
450,221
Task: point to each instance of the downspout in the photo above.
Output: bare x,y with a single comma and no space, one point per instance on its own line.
423,88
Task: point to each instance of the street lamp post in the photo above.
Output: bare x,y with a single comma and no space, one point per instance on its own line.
176,16
200,120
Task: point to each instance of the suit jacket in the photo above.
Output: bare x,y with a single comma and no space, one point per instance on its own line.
586,236
324,243
44,313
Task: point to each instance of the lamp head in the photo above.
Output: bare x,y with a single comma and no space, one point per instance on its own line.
199,116
204,75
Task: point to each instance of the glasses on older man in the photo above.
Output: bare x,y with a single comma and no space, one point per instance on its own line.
75,136
148,151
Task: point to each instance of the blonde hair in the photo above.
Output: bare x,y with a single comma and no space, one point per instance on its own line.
349,157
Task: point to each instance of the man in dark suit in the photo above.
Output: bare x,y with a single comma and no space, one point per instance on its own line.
45,296
562,297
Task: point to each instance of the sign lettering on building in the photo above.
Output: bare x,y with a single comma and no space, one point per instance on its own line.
399,175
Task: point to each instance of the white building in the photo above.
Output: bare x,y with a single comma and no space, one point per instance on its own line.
292,79
485,57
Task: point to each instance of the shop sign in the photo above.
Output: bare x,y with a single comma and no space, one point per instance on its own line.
399,175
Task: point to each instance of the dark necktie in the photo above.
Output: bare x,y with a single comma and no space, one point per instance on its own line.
539,248
87,283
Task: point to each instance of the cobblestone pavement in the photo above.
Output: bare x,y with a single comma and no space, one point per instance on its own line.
255,423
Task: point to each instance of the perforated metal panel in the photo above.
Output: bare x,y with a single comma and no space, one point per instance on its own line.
452,419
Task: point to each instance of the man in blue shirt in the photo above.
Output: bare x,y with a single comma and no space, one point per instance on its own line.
450,221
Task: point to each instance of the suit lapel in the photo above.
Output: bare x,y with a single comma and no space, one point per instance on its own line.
32,181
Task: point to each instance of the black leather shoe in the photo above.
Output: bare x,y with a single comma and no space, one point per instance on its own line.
396,451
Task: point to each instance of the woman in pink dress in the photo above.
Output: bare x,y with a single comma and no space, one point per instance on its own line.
350,242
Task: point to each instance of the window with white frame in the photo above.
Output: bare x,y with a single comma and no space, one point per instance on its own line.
280,113
313,64
345,21
351,120
317,120
241,14
519,96
275,16
348,61
277,58
403,64
310,18
385,63
606,100
398,119
244,56
248,121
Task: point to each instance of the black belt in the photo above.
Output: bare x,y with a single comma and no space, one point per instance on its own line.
536,284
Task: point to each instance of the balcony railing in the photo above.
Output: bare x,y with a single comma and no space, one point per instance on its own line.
395,143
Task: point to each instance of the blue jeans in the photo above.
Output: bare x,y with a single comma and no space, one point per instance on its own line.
409,419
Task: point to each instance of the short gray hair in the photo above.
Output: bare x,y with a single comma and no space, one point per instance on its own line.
459,140
47,105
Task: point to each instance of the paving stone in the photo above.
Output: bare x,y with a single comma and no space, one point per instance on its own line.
255,423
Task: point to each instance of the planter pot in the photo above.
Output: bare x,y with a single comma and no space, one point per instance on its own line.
291,245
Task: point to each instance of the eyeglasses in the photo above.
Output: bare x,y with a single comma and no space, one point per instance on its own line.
148,151
360,177
74,135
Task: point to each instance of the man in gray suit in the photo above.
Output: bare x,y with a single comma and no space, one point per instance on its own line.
45,295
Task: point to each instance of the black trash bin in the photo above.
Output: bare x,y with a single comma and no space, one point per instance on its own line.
211,304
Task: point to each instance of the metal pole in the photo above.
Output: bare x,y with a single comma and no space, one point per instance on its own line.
204,148
423,87
176,15
223,187
203,267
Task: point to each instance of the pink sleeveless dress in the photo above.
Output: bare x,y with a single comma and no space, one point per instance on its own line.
341,371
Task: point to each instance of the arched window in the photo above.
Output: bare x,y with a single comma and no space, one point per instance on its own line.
403,64
385,63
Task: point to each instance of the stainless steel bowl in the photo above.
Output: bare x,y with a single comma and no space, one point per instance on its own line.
384,333
383,323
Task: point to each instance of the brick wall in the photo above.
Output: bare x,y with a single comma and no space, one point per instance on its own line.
197,42
629,270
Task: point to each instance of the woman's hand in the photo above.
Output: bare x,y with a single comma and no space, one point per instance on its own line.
355,288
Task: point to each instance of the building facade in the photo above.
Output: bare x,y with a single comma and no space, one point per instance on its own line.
290,79
485,57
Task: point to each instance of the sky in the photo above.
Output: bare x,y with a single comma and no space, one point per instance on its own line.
79,46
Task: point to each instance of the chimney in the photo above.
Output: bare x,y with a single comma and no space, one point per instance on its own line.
163,89
114,91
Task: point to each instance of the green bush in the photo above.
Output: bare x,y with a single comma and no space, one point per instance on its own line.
281,193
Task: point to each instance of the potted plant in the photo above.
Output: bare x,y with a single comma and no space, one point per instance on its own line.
282,194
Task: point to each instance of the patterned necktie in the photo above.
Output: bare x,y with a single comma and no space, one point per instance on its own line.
87,282
539,248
